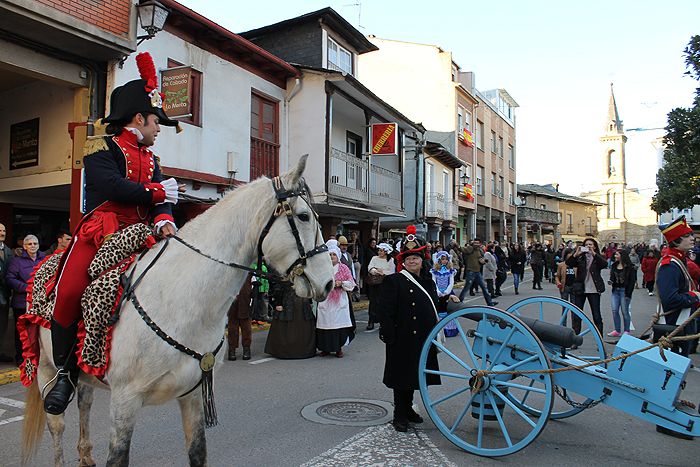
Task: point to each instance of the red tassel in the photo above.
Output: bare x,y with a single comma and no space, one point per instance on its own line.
411,229
147,70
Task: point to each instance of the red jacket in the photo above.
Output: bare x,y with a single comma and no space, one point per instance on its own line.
649,268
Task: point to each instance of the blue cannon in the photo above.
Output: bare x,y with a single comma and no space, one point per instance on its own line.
495,398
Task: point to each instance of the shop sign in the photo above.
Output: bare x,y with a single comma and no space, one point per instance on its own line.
24,144
385,139
176,85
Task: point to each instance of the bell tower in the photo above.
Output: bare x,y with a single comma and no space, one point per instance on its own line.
613,177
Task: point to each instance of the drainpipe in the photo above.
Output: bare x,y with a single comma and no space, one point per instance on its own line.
295,90
474,172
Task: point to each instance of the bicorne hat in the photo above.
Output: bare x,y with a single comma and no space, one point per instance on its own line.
676,229
139,95
411,245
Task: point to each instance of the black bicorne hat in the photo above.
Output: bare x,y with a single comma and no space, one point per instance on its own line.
138,96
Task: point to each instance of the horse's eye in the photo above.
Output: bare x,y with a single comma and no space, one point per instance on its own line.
304,217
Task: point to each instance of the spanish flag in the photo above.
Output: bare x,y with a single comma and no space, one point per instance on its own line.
468,192
468,138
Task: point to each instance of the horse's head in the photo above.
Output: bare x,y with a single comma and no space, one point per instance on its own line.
293,253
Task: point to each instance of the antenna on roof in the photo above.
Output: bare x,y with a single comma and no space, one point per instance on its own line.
359,13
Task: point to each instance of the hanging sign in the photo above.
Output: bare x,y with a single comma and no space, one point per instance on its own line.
24,144
385,139
176,85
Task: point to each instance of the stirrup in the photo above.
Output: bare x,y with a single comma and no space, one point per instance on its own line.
55,378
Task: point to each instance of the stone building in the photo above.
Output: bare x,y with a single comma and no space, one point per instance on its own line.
624,213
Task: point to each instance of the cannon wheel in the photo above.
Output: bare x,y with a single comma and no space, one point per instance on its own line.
534,307
511,345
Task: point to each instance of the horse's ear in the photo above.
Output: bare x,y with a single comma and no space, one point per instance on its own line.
294,175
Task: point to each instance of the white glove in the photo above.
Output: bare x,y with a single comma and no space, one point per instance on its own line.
159,225
171,193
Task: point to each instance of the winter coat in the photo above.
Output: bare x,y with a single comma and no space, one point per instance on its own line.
517,262
579,262
490,267
406,317
471,256
18,274
649,268
537,257
5,290
629,279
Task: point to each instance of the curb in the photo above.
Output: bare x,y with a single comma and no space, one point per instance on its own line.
9,376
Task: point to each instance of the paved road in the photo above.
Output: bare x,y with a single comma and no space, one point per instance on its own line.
260,404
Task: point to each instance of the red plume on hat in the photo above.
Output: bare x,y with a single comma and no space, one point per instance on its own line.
147,70
411,229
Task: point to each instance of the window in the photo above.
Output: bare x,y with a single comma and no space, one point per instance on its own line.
480,135
511,156
339,58
500,147
544,207
611,204
500,186
494,142
479,180
465,175
493,184
264,137
589,226
353,144
511,190
570,223
195,95
460,122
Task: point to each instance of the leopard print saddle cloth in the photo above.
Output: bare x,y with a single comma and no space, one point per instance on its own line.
99,301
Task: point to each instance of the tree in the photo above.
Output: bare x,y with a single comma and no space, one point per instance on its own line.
678,180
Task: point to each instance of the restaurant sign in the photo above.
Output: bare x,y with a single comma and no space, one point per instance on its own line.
24,144
385,139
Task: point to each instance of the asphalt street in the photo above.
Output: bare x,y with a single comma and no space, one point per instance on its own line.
260,405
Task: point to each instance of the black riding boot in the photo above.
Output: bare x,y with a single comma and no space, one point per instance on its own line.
63,341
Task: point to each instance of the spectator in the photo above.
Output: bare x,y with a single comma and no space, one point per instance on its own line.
18,275
456,255
490,268
240,322
588,284
517,264
649,271
63,239
6,256
634,259
370,251
346,259
474,259
502,266
550,264
623,276
443,274
335,326
537,263
564,278
380,266
293,330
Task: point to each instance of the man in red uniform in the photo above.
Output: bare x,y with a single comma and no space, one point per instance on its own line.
123,186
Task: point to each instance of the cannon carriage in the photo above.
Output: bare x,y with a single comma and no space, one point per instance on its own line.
505,374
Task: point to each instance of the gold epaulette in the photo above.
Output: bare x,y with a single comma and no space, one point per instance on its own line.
94,144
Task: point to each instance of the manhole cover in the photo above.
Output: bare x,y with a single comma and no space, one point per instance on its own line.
349,412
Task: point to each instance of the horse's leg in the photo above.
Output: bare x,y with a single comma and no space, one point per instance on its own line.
193,425
57,424
123,414
85,397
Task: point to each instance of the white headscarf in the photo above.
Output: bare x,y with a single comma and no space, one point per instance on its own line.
386,247
332,245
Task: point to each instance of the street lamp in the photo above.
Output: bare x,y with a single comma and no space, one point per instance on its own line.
152,16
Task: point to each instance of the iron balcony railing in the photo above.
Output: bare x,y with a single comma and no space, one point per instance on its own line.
543,216
439,207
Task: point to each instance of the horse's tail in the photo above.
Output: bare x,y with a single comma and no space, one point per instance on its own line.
34,423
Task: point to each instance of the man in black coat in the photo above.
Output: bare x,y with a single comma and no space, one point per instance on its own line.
407,310
5,257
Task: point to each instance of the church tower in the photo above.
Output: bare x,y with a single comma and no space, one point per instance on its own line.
613,146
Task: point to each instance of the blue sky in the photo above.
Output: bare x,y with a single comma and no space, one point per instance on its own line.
556,58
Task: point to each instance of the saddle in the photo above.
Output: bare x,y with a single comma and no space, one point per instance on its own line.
99,302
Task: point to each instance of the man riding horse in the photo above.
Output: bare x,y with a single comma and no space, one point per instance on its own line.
123,186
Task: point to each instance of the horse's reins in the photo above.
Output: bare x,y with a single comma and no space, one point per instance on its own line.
207,360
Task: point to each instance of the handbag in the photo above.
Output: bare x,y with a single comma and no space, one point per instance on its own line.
374,279
664,330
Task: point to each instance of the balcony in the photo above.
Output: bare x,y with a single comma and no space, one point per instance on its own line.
441,208
539,216
354,179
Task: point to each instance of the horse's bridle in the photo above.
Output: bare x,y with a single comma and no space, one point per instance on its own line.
283,207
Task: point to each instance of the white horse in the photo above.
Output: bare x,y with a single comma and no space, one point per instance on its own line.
187,295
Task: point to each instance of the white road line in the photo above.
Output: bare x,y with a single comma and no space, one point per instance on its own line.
262,360
13,419
11,403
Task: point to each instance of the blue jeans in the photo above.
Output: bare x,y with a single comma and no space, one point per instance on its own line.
472,277
620,302
516,279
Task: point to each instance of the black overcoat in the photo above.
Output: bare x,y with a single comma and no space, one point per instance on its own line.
406,318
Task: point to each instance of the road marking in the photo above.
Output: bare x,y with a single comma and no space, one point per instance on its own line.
382,445
11,403
371,330
262,360
13,419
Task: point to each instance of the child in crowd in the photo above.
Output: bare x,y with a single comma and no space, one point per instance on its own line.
443,274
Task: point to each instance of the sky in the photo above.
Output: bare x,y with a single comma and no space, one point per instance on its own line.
556,58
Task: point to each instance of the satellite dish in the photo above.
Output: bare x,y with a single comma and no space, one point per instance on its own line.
518,201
